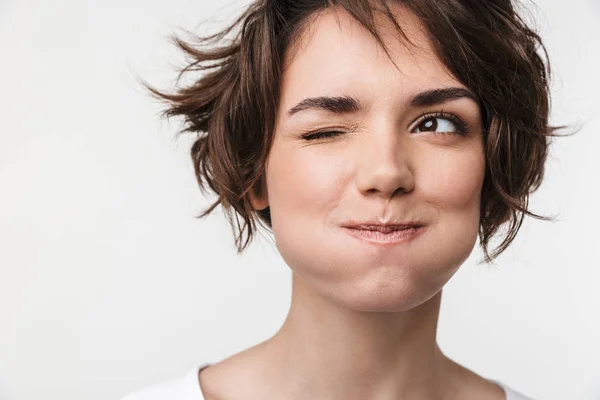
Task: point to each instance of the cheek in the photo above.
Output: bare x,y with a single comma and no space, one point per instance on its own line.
453,188
303,181
453,182
304,187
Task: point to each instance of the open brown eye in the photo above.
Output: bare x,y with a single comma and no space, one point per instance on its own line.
442,124
430,124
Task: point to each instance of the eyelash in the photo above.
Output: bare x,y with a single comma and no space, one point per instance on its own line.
462,128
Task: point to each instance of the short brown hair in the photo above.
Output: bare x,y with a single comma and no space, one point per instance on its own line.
487,45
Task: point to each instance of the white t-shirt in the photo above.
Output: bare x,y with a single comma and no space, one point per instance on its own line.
187,387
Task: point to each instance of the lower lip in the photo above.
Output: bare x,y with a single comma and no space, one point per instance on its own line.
393,237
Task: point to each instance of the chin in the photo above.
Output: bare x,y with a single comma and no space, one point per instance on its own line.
389,294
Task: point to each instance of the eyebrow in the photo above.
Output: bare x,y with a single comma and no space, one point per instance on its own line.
349,104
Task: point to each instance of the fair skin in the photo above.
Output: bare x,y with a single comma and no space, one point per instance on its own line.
363,318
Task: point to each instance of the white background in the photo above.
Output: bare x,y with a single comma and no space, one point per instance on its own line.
108,283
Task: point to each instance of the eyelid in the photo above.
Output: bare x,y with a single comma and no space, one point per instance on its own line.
309,135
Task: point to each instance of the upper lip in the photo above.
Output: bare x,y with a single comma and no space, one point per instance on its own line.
377,225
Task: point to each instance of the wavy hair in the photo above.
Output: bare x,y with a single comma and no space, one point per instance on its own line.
486,45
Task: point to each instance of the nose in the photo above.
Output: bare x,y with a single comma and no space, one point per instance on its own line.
384,164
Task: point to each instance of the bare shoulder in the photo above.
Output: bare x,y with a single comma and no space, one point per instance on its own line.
232,378
466,384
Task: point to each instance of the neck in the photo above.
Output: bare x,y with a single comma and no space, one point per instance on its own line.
324,347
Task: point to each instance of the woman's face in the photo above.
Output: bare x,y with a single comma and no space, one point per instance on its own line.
385,163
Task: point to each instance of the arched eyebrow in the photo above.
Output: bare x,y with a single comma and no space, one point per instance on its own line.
349,104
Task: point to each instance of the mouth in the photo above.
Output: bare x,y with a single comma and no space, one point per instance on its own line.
384,228
385,234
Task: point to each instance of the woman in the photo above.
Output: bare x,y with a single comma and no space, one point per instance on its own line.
376,172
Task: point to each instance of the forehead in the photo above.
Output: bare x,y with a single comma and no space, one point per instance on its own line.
337,55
